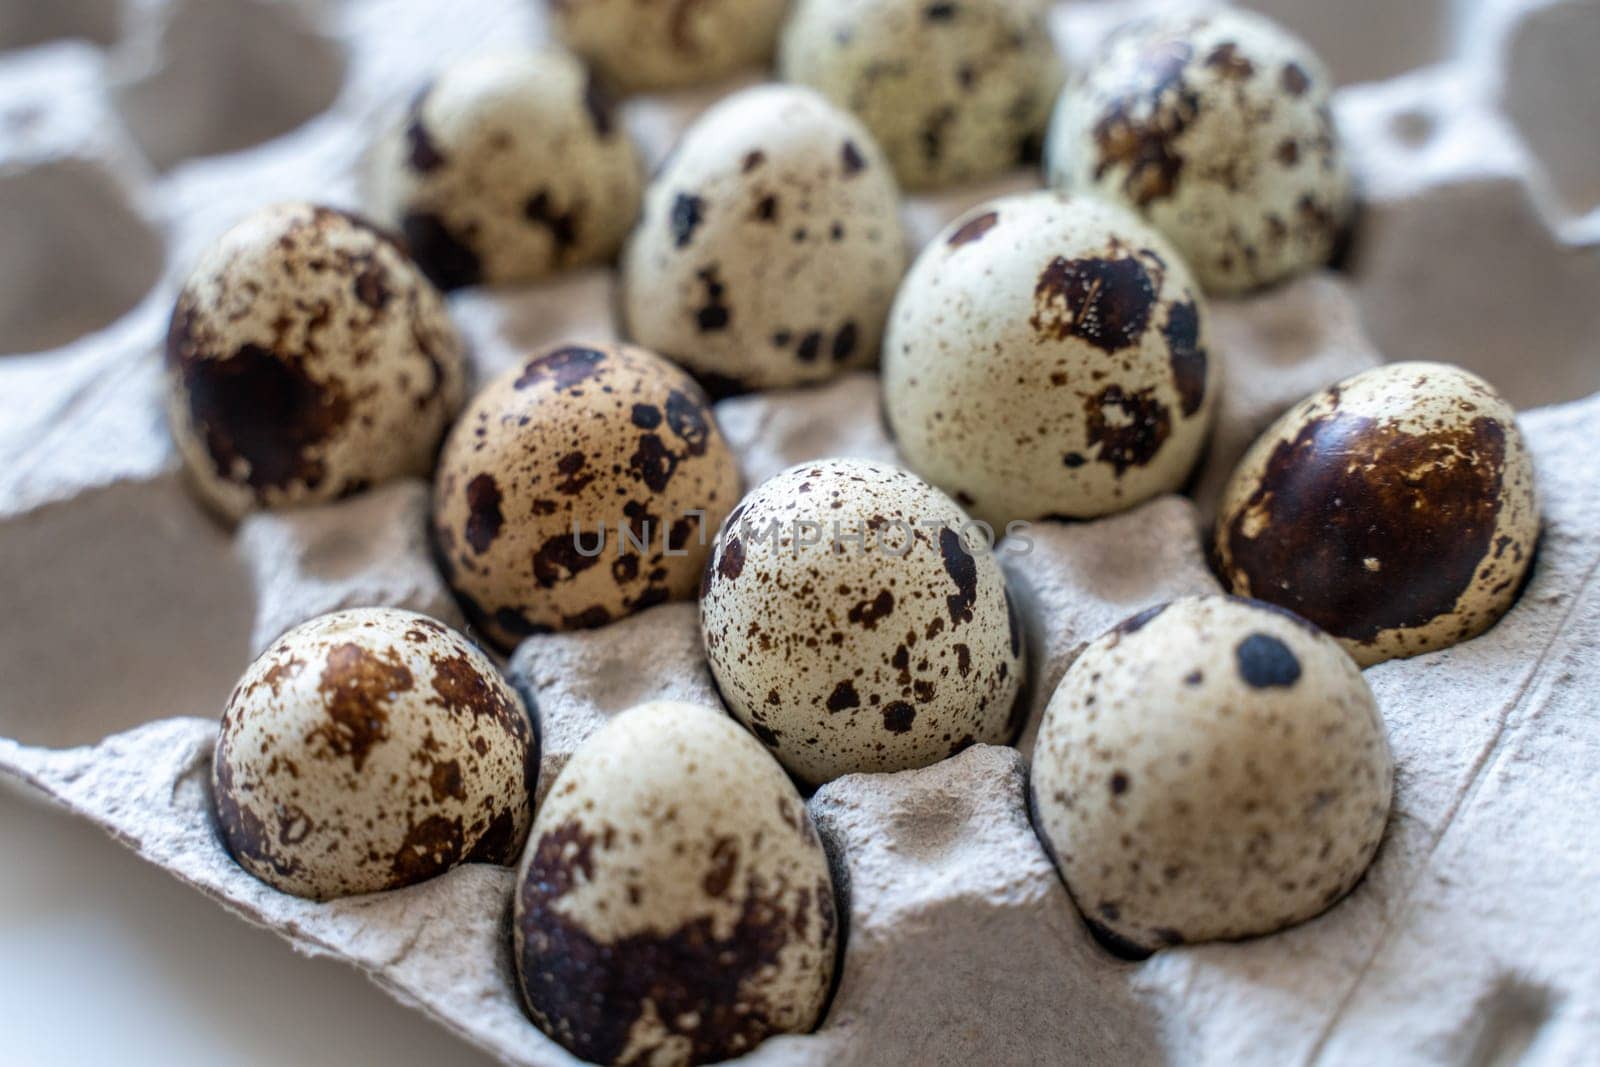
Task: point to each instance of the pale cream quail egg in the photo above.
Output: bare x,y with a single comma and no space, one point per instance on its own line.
674,905
307,359
1396,510
954,90
582,485
856,621
1049,356
1210,769
368,750
1216,127
664,44
508,167
770,245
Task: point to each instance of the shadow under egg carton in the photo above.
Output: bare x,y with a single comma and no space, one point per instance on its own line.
1468,942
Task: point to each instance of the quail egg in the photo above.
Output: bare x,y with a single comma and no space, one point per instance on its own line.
1048,356
664,44
1215,127
674,905
368,750
508,167
307,359
1210,769
770,245
582,485
855,619
954,91
1396,510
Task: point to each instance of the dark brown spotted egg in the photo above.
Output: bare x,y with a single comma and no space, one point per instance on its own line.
307,359
508,167
674,905
1210,769
1216,127
663,44
1048,356
954,91
582,485
855,620
770,245
369,750
1396,510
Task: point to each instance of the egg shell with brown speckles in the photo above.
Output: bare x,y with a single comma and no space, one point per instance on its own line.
640,45
770,245
368,750
674,905
1397,510
1049,356
856,622
954,92
510,166
307,359
1217,128
582,485
1210,769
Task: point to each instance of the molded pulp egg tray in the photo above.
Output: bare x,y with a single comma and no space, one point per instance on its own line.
133,133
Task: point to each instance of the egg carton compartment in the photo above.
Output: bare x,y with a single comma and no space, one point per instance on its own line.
134,612
209,77
25,25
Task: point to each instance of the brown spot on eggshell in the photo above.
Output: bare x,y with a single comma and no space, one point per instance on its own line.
484,518
1347,488
260,411
1188,357
448,261
1106,302
1129,428
1145,145
357,687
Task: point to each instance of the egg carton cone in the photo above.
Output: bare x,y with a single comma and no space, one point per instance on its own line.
133,133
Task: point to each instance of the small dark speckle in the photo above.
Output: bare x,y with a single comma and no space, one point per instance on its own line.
1266,662
854,162
688,211
939,12
1119,783
1295,79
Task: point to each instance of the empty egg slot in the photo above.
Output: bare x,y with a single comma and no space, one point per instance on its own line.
1347,36
123,605
227,75
25,23
76,253
1551,85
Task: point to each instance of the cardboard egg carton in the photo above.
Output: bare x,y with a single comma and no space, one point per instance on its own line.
130,613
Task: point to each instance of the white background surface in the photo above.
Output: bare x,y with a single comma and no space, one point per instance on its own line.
105,959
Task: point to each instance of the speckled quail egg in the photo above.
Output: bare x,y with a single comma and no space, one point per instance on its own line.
856,620
307,359
582,485
770,245
508,167
1048,357
368,750
674,905
1216,128
954,91
664,44
1396,510
1212,768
